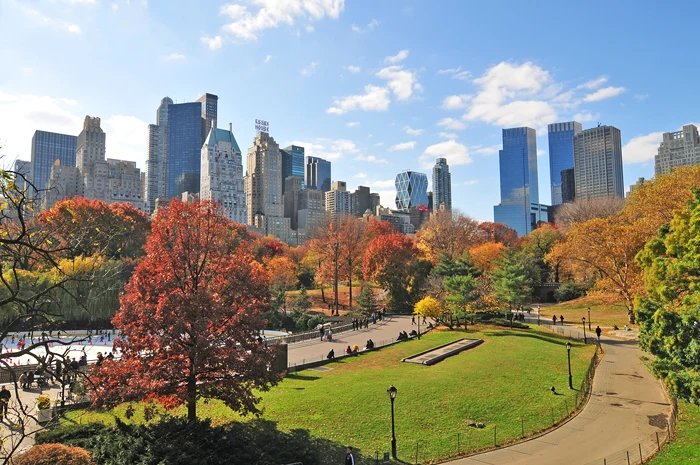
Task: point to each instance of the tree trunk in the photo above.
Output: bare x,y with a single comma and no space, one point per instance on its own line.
350,282
323,295
192,391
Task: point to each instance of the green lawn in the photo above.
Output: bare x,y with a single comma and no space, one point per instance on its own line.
606,311
684,448
500,383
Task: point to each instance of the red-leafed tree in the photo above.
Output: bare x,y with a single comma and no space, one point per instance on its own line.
499,232
190,316
390,261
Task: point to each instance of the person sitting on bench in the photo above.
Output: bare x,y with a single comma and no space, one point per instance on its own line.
331,355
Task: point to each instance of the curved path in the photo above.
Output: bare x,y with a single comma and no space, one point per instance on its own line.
617,415
383,332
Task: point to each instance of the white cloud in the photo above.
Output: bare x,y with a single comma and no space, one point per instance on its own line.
328,149
374,99
379,144
641,97
115,6
247,25
585,116
471,182
73,28
513,95
360,175
457,73
641,149
353,69
172,57
214,43
485,151
448,135
452,124
81,2
401,82
594,83
371,159
412,132
456,102
382,184
309,70
402,55
309,28
370,27
268,59
604,93
456,154
353,124
126,138
47,21
403,146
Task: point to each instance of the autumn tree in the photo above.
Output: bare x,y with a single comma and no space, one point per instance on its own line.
428,307
447,232
351,231
537,245
486,255
190,317
390,261
54,454
499,233
582,210
669,315
324,247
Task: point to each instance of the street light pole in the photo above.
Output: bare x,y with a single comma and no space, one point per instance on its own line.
583,322
568,357
419,326
392,395
589,318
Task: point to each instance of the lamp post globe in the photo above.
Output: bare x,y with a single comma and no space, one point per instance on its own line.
392,395
568,357
589,318
583,323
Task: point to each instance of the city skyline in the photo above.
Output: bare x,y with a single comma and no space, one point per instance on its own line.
350,82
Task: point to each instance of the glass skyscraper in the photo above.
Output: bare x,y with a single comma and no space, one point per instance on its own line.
561,154
47,147
411,190
184,146
442,185
292,163
598,163
318,174
519,208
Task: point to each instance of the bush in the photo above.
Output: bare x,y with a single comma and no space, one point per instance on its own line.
43,402
315,321
569,291
54,454
73,435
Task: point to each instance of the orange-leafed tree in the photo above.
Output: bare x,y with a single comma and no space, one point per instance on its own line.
499,232
449,234
486,255
390,261
351,232
190,316
54,454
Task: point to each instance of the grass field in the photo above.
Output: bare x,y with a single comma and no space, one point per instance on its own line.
503,383
684,448
606,311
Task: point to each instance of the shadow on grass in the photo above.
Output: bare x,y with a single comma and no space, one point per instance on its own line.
551,338
175,441
296,375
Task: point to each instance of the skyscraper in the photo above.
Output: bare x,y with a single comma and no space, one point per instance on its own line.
305,208
561,154
222,174
210,104
47,147
155,166
339,201
292,164
23,168
90,160
519,208
411,190
677,149
598,163
263,189
183,150
442,185
318,174
568,185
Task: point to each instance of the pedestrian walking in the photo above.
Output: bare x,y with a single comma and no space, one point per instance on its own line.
5,402
554,320
349,458
561,317
413,320
322,331
597,332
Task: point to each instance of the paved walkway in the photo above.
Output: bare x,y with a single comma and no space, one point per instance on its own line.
381,333
624,396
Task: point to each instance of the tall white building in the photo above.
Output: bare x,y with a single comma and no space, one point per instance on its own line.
442,185
263,190
598,163
222,174
339,201
678,149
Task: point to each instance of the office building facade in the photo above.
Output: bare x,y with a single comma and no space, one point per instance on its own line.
598,163
318,174
183,148
678,149
561,154
442,185
292,164
210,111
47,147
339,201
519,208
411,190
155,166
568,185
222,174
305,208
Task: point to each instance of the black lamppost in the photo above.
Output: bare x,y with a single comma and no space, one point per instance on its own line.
392,395
336,245
568,357
583,322
419,326
589,318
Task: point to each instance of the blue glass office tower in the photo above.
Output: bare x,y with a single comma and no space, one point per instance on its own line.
292,163
520,207
183,154
318,174
561,154
411,190
47,147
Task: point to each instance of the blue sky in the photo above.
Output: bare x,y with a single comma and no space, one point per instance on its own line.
375,86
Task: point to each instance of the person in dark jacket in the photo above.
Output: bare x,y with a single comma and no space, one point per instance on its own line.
349,458
5,402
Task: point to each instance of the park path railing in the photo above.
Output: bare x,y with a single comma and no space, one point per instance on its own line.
309,335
